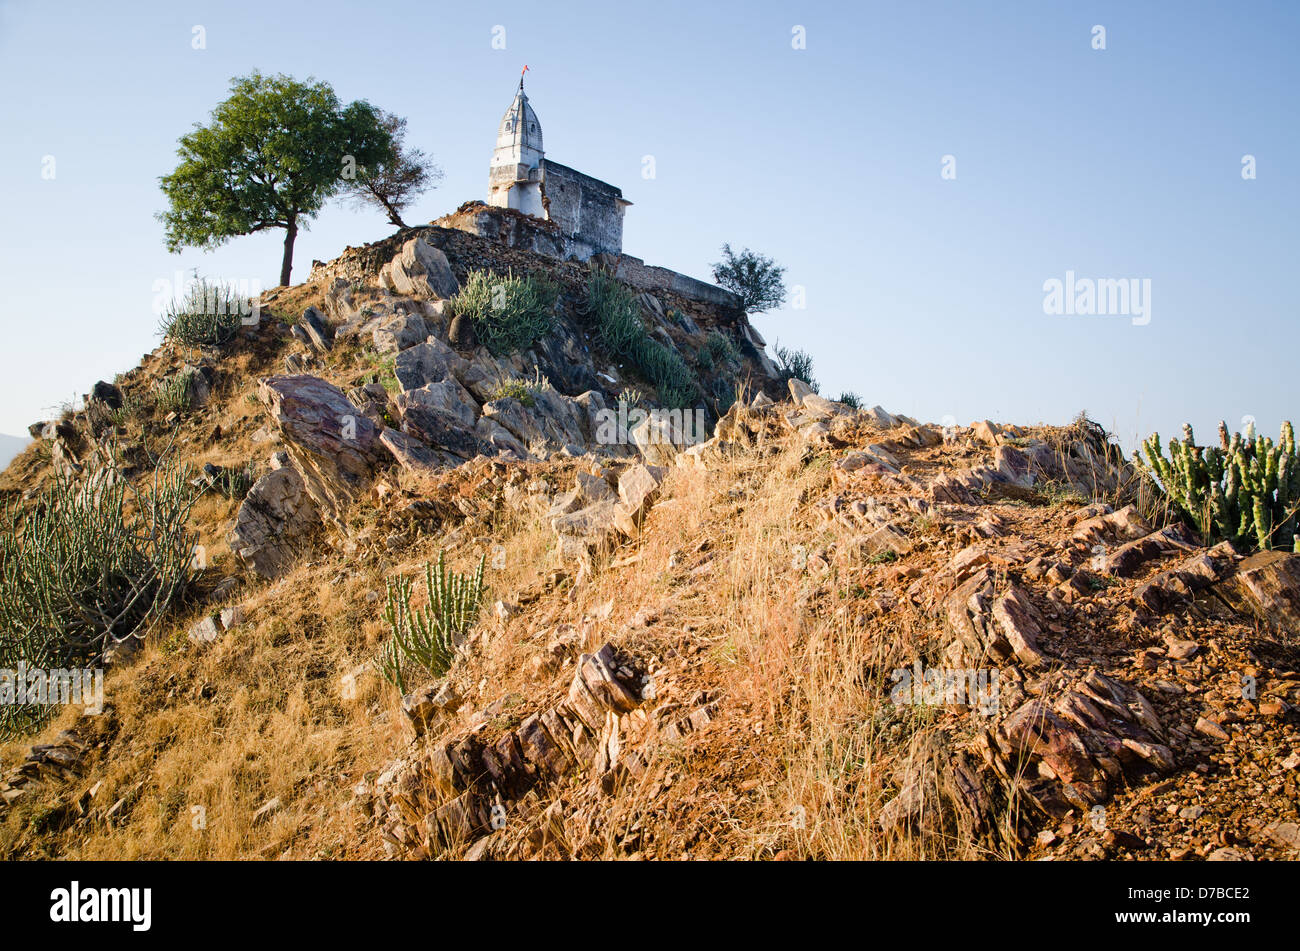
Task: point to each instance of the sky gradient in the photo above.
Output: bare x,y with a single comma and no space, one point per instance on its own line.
923,294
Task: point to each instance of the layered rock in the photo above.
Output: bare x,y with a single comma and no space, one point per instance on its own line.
334,446
274,520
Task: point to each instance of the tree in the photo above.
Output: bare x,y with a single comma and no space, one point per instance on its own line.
756,279
392,183
271,156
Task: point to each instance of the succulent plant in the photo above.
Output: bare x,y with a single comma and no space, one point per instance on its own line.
1246,490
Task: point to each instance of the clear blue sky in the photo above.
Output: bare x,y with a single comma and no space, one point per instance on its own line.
924,295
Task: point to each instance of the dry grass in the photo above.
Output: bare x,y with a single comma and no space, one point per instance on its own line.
716,596
800,760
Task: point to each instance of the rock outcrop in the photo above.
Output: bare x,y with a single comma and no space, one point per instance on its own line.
274,521
334,446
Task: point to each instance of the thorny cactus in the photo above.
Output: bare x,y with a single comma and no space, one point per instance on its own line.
509,311
88,564
1246,490
429,637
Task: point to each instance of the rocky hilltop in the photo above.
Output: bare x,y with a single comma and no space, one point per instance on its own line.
811,630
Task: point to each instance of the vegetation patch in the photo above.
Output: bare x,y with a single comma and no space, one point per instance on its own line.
90,564
509,311
426,638
612,308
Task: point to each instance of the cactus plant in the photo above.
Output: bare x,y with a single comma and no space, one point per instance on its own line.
88,564
1246,490
509,311
429,637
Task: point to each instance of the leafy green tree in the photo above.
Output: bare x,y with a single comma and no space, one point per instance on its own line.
756,279
392,184
271,156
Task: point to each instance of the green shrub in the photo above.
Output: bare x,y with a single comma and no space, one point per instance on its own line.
523,390
509,312
428,638
613,309
175,394
88,564
1246,490
514,389
233,483
383,369
850,399
210,315
665,369
796,365
717,349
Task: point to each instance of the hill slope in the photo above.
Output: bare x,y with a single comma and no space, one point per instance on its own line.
823,632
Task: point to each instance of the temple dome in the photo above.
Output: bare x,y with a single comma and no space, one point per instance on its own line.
520,129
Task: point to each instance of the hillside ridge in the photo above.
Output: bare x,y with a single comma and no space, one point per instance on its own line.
807,630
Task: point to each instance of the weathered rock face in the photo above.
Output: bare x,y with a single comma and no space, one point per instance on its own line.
412,454
317,329
1267,585
551,423
428,362
334,446
399,332
420,270
446,398
273,521
434,798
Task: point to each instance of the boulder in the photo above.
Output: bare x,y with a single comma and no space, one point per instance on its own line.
399,332
821,407
658,438
589,406
499,438
987,432
205,631
106,393
637,487
595,524
798,390
272,521
1267,585
334,446
429,362
411,454
588,489
880,418
319,332
461,333
551,423
339,303
421,270
442,432
446,397
429,705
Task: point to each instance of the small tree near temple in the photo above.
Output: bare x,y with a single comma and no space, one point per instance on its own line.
270,157
756,279
393,183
